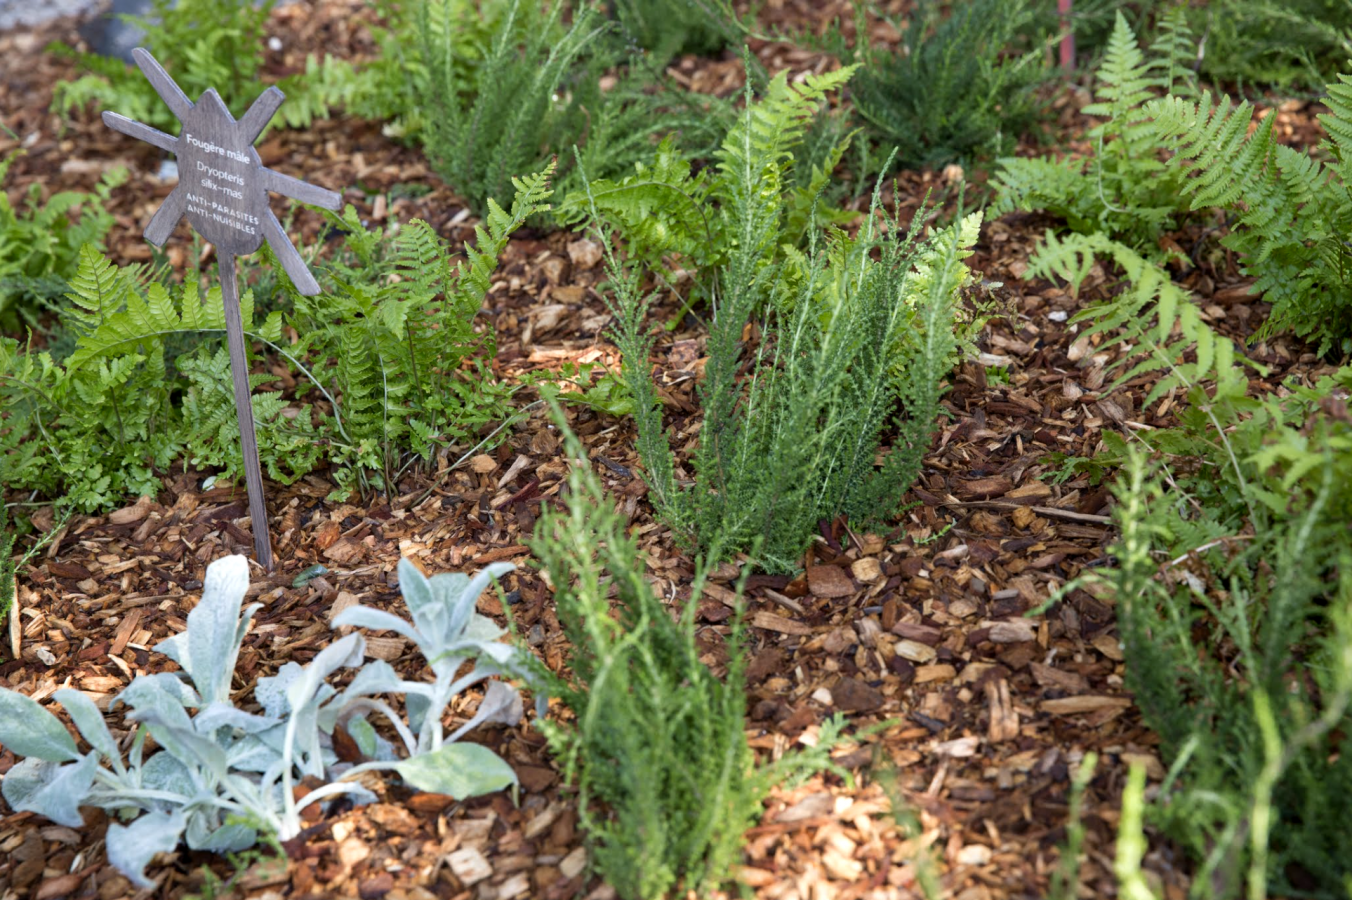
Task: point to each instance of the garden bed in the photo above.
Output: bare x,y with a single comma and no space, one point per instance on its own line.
923,623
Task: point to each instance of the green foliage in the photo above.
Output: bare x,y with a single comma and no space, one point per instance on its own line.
395,325
39,245
1291,212
101,424
658,739
203,44
1286,43
850,330
530,90
386,347
961,84
671,215
1239,649
1151,313
672,27
1123,190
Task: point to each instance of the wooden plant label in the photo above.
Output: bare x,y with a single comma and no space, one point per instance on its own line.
223,193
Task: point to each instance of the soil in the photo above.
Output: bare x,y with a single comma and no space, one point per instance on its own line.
922,624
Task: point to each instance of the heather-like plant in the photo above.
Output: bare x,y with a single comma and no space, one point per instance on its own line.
671,27
960,85
532,90
666,782
221,774
1239,653
856,336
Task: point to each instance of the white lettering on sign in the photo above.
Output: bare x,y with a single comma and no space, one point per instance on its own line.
213,206
223,214
209,147
217,173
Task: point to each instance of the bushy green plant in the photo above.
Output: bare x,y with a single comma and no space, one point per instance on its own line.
1239,652
856,335
960,84
658,740
1123,190
383,347
202,44
393,328
39,245
1290,209
221,775
671,27
671,212
532,90
1285,43
101,424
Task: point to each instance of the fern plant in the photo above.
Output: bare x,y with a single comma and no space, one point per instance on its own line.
852,328
1123,189
102,423
393,329
672,216
1290,210
1154,318
957,87
39,245
384,355
203,44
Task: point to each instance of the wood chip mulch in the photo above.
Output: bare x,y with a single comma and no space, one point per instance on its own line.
923,624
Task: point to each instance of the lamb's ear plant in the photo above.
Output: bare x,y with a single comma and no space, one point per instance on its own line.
223,775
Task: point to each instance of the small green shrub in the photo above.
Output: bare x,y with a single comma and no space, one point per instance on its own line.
1234,592
393,330
1123,190
532,90
383,347
657,739
957,87
1284,43
40,245
672,212
1239,653
672,27
203,44
851,330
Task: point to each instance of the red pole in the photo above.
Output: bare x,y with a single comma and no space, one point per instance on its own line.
1067,36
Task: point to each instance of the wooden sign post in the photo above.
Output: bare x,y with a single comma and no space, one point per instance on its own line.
223,193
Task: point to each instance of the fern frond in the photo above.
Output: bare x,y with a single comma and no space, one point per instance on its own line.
1152,313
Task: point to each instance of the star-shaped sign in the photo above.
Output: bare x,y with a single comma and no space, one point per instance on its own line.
223,185
223,193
